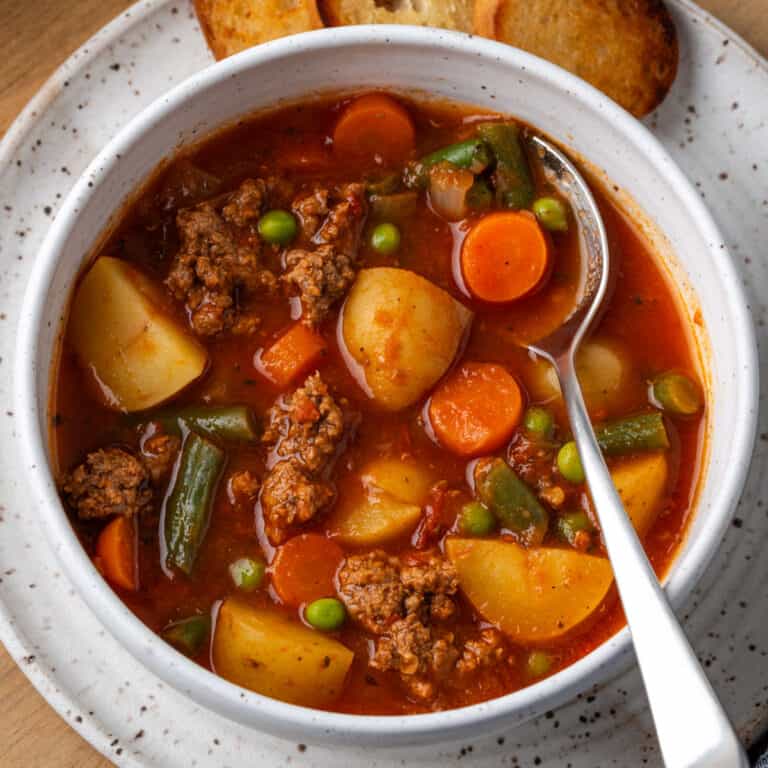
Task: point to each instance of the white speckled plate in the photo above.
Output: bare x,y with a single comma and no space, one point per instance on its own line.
715,122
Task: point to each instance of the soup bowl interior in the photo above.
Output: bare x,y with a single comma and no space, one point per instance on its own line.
445,66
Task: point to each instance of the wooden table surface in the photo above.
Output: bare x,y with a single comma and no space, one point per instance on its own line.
31,734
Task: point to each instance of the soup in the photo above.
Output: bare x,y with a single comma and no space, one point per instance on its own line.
299,431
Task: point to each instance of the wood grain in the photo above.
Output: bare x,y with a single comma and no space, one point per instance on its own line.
31,734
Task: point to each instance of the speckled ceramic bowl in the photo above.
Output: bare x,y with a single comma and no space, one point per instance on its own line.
451,66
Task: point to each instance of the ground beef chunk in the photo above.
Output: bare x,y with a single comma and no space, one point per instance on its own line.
219,259
371,589
321,272
291,496
307,425
158,454
305,430
485,650
109,482
402,601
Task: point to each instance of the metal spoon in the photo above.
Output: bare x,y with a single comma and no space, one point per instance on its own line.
691,725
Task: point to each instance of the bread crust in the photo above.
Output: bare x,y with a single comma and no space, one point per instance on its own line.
448,14
231,26
626,48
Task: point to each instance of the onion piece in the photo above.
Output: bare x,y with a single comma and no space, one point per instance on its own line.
448,188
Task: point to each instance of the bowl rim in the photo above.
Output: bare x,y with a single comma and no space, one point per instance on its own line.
208,688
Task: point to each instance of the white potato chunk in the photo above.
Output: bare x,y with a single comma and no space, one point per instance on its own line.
265,651
139,354
532,595
393,492
641,483
401,334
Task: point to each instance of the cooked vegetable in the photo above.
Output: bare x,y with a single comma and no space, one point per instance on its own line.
247,573
117,550
188,507
227,422
677,394
262,649
644,432
571,525
385,238
480,196
304,568
475,519
533,594
188,635
395,491
138,354
476,409
392,207
448,190
512,175
374,126
326,614
538,663
551,213
512,502
569,463
294,354
402,331
505,256
472,155
539,423
642,483
277,227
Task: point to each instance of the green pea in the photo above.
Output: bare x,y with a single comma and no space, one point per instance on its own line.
539,422
327,614
569,463
385,238
572,523
551,213
538,663
476,519
277,227
247,574
677,394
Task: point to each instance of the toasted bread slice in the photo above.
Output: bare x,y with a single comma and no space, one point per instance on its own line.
448,14
233,25
626,48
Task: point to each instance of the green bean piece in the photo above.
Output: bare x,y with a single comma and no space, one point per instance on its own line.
644,432
393,207
227,422
384,186
247,573
476,519
188,635
539,422
512,502
480,195
187,509
277,227
514,182
385,238
569,463
538,663
472,154
677,394
326,614
551,213
572,523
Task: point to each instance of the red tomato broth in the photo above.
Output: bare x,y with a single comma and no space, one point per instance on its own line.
643,311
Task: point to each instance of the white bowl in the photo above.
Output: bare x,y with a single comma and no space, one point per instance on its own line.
452,66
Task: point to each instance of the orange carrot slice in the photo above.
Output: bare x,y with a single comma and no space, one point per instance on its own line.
476,409
374,125
292,355
305,567
505,256
117,553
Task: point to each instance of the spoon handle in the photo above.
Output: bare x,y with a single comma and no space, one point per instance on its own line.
692,727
